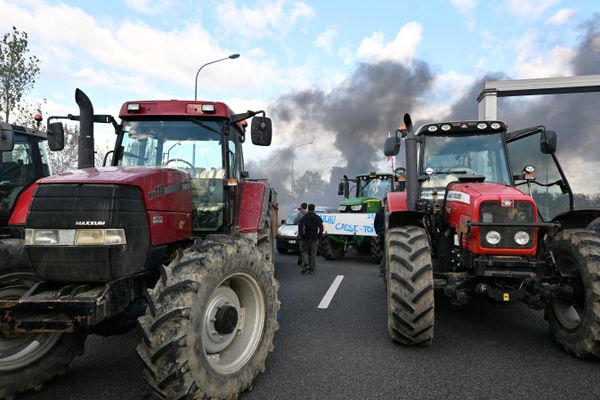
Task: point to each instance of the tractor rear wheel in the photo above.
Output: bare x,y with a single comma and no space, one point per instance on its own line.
576,325
210,321
409,286
29,360
331,249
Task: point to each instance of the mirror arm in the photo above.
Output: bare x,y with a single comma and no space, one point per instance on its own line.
236,118
101,118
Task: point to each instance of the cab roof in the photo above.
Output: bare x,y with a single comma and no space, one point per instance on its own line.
148,108
374,174
23,131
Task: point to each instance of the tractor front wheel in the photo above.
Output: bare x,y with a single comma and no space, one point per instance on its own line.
210,321
331,249
29,360
576,324
409,286
376,250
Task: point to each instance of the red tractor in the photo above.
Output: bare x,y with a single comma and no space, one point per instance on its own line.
489,213
173,233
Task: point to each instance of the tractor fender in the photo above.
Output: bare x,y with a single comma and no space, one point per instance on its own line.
398,214
404,218
396,201
258,202
578,219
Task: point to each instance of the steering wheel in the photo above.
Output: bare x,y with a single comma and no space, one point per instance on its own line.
183,161
129,154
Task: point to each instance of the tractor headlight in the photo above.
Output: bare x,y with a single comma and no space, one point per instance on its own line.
46,236
90,237
521,238
493,237
356,208
115,236
342,208
74,237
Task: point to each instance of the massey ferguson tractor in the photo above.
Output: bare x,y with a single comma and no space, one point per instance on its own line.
370,190
489,213
173,233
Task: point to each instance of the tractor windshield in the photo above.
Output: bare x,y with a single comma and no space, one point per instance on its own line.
450,156
191,146
373,187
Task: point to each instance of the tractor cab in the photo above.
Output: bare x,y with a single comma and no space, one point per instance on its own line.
369,191
204,140
374,185
464,151
23,160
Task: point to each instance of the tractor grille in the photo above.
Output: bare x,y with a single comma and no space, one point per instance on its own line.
77,206
493,212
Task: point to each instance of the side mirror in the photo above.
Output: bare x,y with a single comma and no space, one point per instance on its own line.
548,142
245,174
341,188
261,131
56,136
7,140
391,146
283,222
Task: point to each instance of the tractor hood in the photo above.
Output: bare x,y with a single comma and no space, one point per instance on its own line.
360,205
354,201
470,193
162,188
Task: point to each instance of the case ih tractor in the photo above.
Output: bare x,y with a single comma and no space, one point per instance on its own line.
371,189
173,232
490,213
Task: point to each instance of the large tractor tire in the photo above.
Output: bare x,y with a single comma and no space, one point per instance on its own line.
376,250
577,326
409,286
210,321
331,249
29,360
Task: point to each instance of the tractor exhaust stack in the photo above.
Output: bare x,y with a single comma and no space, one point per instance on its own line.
85,152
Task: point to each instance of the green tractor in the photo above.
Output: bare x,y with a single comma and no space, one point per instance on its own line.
370,190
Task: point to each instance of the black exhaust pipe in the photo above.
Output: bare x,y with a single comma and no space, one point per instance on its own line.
412,178
85,144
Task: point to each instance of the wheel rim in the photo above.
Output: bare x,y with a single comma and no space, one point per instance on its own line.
233,323
567,314
20,350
